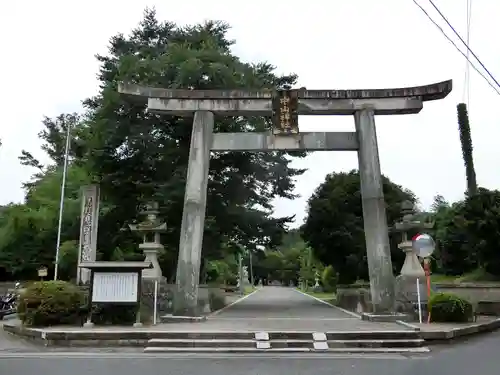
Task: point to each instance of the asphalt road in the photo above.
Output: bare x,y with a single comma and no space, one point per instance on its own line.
478,356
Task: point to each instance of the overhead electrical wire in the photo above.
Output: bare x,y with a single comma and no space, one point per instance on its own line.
496,88
465,44
466,91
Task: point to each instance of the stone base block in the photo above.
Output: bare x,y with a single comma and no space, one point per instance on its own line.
182,319
386,317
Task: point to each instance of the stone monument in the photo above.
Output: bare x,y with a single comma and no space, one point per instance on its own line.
412,273
87,249
284,107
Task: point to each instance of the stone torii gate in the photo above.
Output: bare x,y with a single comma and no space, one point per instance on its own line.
285,106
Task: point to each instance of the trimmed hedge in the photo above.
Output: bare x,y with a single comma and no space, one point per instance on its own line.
447,307
46,303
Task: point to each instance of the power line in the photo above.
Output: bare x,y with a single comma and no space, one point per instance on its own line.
466,90
465,44
456,47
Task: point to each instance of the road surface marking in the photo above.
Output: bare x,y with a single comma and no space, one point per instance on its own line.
329,304
233,303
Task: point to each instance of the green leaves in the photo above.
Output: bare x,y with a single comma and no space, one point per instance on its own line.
334,225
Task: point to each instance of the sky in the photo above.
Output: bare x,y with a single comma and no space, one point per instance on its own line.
49,68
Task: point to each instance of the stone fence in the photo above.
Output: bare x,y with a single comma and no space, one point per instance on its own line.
356,297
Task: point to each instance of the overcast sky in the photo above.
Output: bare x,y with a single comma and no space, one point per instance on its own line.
48,67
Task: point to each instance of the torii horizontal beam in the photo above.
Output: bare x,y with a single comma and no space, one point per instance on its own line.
262,142
310,102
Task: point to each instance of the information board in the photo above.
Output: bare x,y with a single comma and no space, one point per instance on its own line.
115,287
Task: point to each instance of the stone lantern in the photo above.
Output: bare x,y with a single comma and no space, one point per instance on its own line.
150,230
412,273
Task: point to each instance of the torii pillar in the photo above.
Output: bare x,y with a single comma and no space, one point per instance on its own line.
284,107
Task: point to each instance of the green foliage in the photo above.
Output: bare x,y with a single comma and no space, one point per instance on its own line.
68,260
468,233
466,142
334,225
329,279
223,272
46,303
447,307
28,231
114,314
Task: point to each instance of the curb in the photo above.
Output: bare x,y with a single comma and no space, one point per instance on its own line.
433,337
133,337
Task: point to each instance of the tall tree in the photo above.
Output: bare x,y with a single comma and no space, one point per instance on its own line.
466,142
138,155
334,223
439,203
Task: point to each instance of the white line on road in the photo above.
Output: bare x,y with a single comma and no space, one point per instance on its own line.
234,303
329,304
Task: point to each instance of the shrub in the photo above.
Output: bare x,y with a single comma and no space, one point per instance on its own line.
45,303
329,280
216,299
447,307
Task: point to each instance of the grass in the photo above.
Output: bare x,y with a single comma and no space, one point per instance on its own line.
320,295
249,289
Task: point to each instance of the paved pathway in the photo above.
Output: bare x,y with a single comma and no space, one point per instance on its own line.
11,343
286,309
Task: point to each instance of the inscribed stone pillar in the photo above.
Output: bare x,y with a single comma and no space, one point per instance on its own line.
193,217
374,216
87,250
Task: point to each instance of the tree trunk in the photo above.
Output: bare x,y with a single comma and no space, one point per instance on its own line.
466,141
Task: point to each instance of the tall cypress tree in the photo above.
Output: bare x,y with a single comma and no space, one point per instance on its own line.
466,141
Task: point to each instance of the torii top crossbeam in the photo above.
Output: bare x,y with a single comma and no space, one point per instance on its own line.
309,102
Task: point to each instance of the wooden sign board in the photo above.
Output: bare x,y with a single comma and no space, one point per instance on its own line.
285,115
42,272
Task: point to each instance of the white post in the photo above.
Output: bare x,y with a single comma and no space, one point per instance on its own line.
61,202
419,301
155,307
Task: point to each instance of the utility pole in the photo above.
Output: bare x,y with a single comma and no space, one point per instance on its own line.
61,202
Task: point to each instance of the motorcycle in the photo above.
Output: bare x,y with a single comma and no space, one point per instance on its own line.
8,302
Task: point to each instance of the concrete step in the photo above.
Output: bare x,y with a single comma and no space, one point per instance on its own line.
348,343
299,345
203,343
201,335
286,350
373,335
294,335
